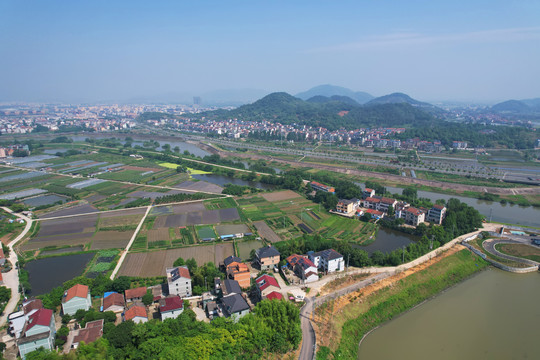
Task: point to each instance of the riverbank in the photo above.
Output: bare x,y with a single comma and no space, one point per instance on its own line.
340,327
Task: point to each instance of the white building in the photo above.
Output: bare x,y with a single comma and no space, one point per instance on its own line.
436,214
327,261
414,216
179,281
171,307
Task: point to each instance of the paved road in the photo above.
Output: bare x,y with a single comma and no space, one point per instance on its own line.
380,273
489,246
11,278
125,251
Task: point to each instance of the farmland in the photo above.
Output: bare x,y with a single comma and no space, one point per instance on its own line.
245,248
154,263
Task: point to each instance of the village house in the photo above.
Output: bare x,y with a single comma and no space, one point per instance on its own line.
375,214
414,216
367,192
321,187
327,261
136,294
171,307
385,204
371,203
436,214
266,284
137,314
234,306
38,332
306,270
19,318
267,257
345,206
113,301
90,333
237,270
179,281
76,298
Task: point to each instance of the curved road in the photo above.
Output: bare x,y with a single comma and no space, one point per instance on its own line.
308,334
489,246
11,278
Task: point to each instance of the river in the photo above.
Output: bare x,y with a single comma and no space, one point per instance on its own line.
493,315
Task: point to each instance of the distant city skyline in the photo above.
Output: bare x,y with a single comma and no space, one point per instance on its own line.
100,51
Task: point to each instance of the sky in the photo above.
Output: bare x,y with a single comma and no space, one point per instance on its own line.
92,51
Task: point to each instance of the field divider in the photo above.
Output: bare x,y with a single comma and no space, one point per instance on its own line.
126,250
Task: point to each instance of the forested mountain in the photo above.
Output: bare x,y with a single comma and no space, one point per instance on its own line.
331,90
333,114
528,106
319,99
400,98
513,106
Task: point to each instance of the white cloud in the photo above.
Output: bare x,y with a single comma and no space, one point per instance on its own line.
411,38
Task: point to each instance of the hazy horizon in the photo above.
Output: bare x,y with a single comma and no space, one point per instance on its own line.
73,52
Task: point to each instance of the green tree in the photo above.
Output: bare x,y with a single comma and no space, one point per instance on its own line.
148,298
192,265
179,262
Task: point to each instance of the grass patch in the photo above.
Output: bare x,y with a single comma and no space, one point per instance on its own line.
520,250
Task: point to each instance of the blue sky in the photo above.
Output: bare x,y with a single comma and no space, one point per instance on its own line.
117,50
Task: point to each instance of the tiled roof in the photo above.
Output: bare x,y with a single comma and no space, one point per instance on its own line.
229,260
372,200
113,299
305,263
171,303
438,207
234,303
40,317
293,259
386,200
329,254
92,332
32,304
135,311
265,281
231,287
76,291
135,293
181,271
267,251
414,211
374,212
274,295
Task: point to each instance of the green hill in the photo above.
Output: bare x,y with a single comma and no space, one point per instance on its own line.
332,114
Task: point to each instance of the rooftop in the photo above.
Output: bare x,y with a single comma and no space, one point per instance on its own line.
171,303
135,311
78,290
135,293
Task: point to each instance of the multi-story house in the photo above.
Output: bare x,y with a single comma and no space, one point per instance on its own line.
171,307
267,257
436,214
76,298
179,281
414,216
38,332
328,260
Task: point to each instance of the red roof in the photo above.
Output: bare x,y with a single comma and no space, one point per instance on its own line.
414,211
372,200
369,190
171,303
113,299
136,293
293,259
374,212
135,311
265,281
437,206
40,317
76,291
386,200
274,295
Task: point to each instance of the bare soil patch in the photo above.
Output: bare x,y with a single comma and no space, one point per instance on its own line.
266,232
158,235
280,195
111,239
154,263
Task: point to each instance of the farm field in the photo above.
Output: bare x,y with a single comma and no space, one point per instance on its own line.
110,239
206,233
200,186
154,263
266,232
245,247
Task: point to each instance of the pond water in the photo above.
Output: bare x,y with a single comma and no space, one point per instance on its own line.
221,180
511,214
46,274
388,240
493,315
